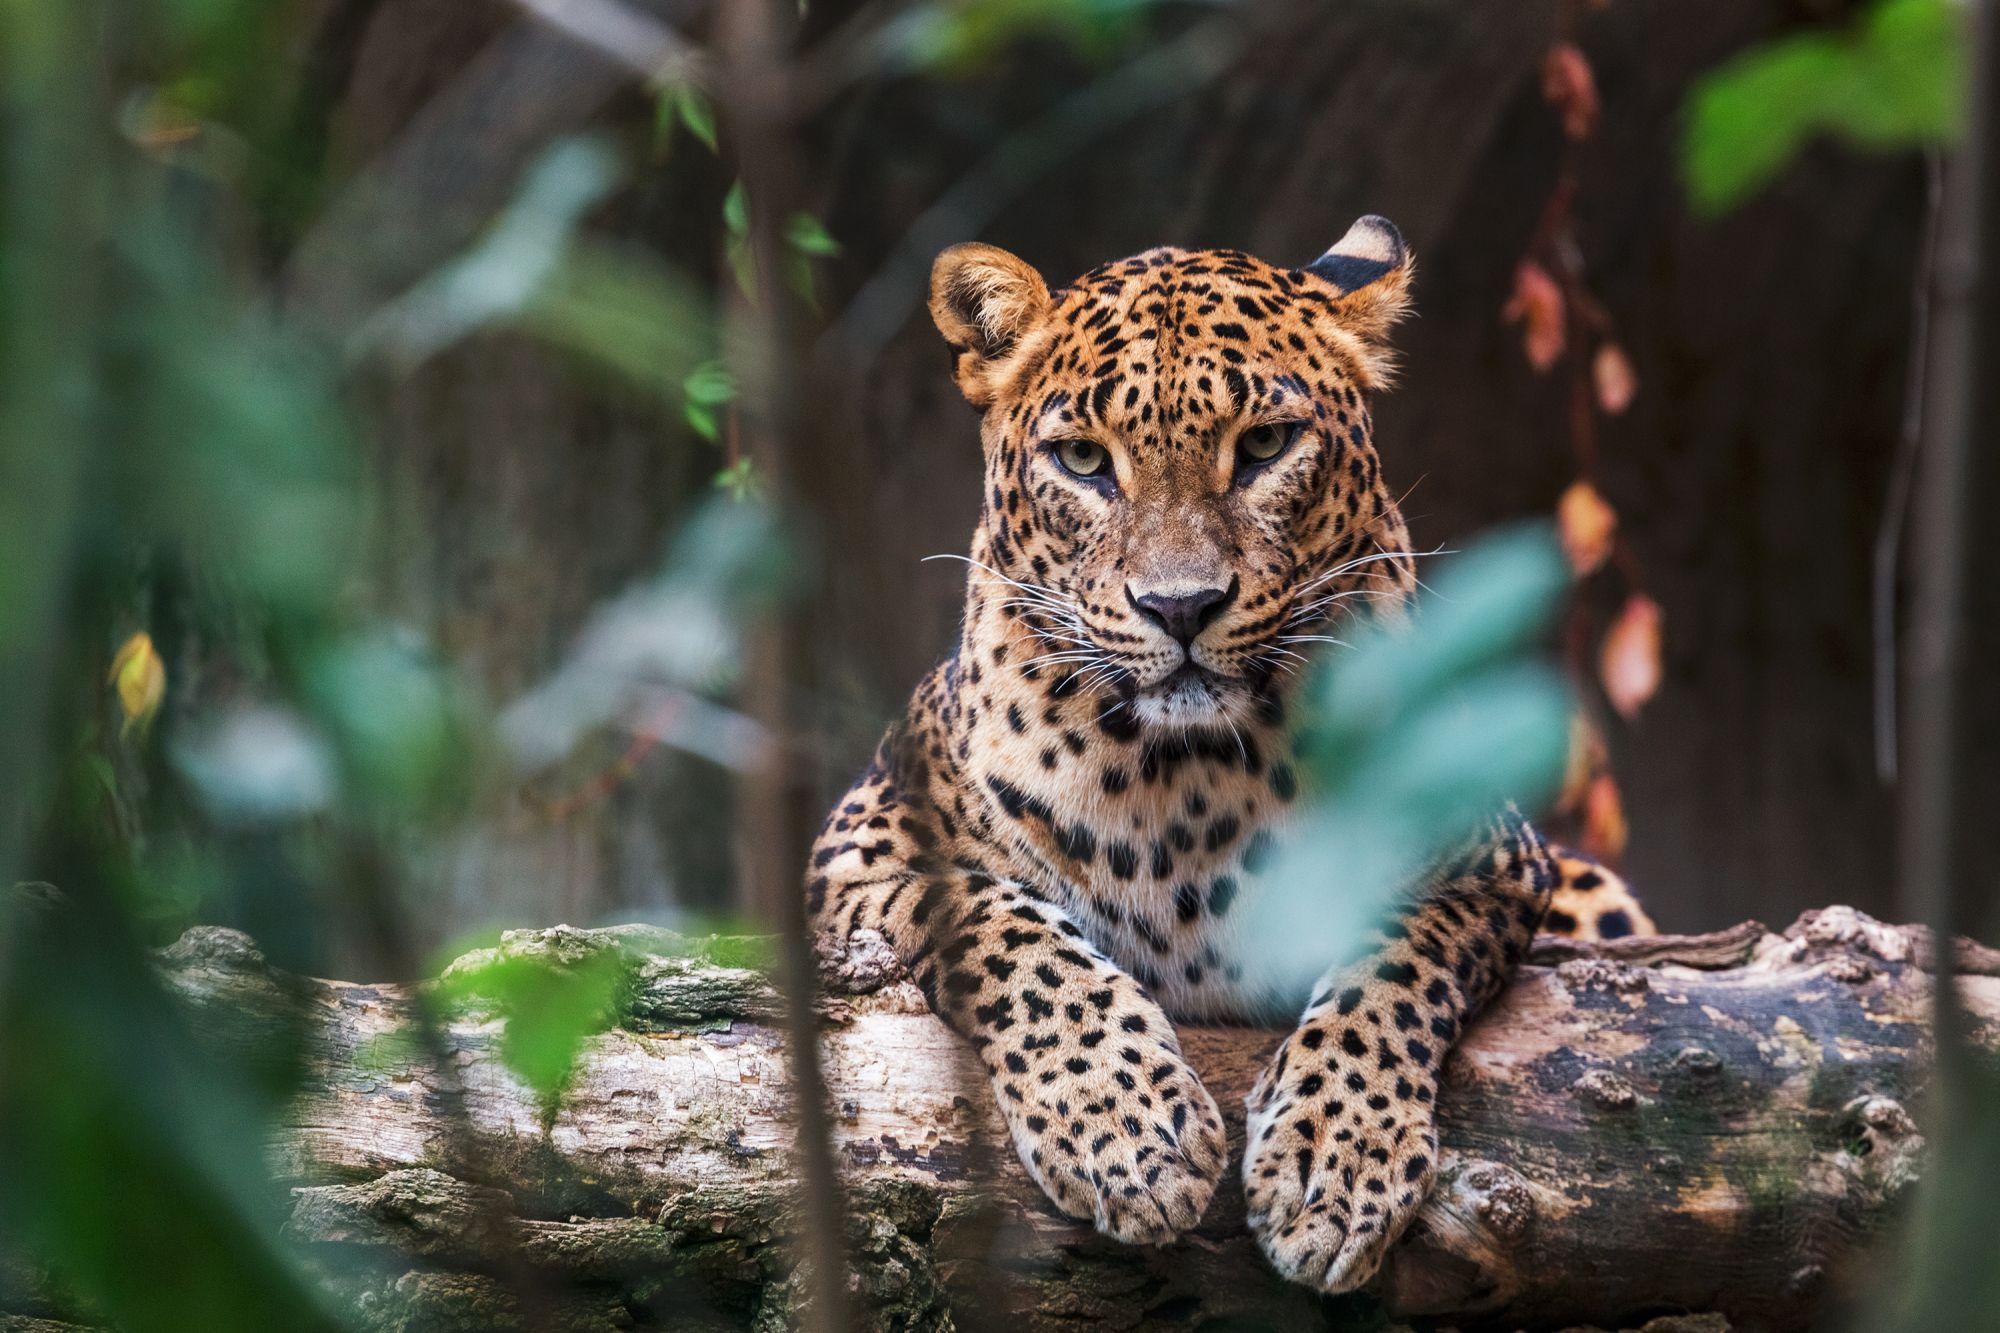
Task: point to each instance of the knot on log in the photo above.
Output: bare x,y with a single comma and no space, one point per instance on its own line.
1852,969
1843,930
861,964
1604,1089
1501,1198
1884,1118
1463,1258
1697,1062
1846,930
1601,974
216,947
419,1211
1883,1146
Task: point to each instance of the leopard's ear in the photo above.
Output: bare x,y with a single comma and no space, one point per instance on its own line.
1371,267
984,301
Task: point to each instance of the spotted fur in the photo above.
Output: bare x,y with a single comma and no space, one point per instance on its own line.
1591,901
1182,498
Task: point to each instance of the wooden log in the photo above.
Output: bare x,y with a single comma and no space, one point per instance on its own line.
1714,1124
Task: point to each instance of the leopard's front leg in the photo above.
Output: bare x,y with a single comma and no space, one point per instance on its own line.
1342,1138
1105,1112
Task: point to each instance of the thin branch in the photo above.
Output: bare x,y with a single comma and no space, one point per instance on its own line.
1902,475
765,340
640,42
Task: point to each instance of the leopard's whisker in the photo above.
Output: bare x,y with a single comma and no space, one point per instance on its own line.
1050,636
982,565
1101,674
1242,748
1348,565
1308,609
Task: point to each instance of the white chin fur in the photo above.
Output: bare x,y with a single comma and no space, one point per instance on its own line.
1186,701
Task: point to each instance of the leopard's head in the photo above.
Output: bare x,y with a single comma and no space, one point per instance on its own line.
1182,491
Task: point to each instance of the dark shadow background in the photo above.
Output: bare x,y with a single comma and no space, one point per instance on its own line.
1749,473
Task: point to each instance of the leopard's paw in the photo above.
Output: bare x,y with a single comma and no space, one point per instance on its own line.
1124,1137
1339,1157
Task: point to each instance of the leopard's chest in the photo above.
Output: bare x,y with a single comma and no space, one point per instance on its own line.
1154,866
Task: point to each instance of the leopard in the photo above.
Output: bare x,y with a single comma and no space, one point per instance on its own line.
1593,902
1181,499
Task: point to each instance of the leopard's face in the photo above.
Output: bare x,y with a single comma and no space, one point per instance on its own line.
1181,481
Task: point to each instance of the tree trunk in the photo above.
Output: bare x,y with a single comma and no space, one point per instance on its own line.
1704,1123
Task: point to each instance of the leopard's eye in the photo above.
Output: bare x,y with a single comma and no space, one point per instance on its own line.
1261,444
1082,458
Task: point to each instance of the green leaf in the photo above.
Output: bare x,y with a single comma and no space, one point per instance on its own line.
736,210
710,384
806,234
740,480
1415,737
119,1122
799,277
551,1009
698,114
1486,609
1896,82
743,265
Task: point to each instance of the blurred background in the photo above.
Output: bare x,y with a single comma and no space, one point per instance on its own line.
469,463
515,475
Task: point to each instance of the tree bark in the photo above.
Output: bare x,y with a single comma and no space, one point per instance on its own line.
1711,1123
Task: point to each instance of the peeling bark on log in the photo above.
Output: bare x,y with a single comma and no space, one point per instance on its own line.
1712,1123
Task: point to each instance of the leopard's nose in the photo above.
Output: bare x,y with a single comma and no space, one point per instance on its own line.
1183,615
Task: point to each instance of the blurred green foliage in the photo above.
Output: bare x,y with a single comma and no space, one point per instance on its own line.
708,390
552,998
159,429
957,36
177,458
550,1009
132,1166
1416,736
1896,80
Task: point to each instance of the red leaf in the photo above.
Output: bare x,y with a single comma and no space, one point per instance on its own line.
1570,87
1585,521
1616,381
1604,829
1537,305
1630,665
1588,757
